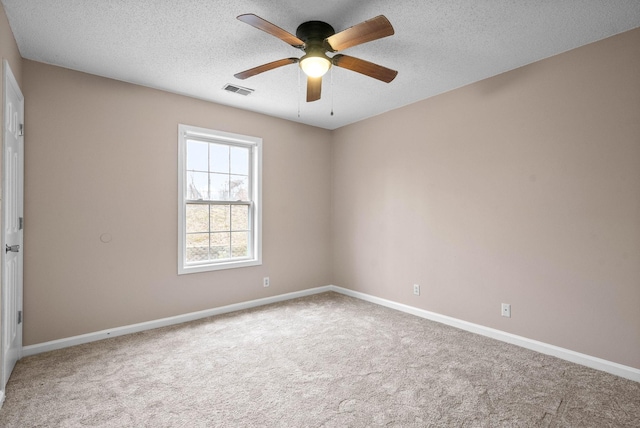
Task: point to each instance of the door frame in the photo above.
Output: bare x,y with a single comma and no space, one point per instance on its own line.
8,79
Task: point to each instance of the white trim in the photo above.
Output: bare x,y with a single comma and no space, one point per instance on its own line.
544,348
164,322
217,136
627,372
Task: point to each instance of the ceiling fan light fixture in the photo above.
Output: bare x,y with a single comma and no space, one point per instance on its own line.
316,38
315,66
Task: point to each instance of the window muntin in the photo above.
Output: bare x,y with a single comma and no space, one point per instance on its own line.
220,209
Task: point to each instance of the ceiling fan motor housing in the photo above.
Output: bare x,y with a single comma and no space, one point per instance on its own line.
314,32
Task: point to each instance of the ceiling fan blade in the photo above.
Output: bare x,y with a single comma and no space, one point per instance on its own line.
364,67
274,30
373,29
314,88
265,67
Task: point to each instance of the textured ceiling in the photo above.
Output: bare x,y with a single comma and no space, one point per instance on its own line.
194,47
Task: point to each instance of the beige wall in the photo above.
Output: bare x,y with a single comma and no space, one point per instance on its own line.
9,49
101,157
523,188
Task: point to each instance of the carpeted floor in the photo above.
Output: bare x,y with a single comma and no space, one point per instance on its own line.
322,361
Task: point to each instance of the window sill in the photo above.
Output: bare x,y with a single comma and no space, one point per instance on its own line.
183,270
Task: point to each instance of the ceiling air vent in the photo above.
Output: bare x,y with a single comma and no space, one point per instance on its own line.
238,89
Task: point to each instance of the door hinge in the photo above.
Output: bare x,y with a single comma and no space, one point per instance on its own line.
11,248
19,317
21,130
20,223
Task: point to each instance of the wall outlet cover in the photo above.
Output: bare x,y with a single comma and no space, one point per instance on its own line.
506,310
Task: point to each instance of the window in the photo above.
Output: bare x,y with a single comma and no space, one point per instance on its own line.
219,217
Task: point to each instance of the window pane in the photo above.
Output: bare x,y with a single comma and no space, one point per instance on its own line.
239,188
219,158
239,160
220,218
220,243
197,155
197,218
239,244
197,185
219,187
197,247
239,217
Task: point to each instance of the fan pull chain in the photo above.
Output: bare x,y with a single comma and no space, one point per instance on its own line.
299,91
331,71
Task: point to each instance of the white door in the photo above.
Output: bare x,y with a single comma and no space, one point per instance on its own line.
12,215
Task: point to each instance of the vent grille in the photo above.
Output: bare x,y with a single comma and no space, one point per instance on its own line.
238,89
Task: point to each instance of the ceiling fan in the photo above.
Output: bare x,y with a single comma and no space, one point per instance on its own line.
316,38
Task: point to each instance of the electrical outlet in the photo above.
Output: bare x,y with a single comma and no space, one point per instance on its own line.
416,289
265,281
506,310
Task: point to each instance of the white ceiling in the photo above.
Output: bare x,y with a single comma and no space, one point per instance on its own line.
194,47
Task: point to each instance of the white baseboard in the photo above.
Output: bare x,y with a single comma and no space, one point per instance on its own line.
164,322
544,348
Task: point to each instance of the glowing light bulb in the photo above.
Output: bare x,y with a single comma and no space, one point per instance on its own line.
315,66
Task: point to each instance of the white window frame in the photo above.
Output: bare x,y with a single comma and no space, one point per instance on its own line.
187,132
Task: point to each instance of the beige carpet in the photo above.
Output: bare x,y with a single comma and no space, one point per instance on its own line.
322,361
